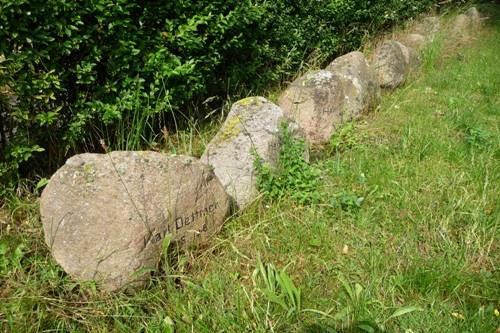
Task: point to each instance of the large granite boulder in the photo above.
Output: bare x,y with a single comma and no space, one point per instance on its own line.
475,17
356,68
413,41
412,59
464,24
252,127
105,215
461,25
429,27
319,102
391,62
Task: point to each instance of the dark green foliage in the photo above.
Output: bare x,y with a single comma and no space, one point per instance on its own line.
293,176
85,71
477,137
10,259
347,201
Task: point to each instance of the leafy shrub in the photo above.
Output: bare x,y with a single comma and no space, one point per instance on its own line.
293,176
84,71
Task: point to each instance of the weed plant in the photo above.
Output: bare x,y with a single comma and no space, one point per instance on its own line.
293,176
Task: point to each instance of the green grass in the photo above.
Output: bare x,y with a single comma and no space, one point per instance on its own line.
418,254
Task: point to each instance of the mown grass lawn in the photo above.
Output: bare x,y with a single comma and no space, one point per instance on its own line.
405,238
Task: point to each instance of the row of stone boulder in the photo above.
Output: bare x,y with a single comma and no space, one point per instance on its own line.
109,217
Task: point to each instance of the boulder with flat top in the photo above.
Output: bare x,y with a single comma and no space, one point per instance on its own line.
320,102
356,68
251,131
391,62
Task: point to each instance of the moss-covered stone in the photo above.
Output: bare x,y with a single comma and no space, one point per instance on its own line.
89,172
252,125
230,130
248,101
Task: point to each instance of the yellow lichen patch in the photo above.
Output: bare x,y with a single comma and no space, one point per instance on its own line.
230,130
89,172
249,101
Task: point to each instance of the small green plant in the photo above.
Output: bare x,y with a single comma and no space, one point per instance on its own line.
293,176
347,201
10,258
356,313
477,137
277,287
465,121
344,138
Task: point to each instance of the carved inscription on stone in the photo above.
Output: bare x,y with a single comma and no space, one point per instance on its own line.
175,225
105,215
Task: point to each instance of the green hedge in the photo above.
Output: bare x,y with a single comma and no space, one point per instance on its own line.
89,70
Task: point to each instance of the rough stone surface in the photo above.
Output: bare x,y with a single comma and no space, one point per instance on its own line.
475,17
429,27
414,41
105,215
251,126
462,25
391,63
411,57
355,67
319,102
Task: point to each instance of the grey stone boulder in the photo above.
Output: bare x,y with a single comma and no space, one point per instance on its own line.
462,25
356,68
414,41
252,126
475,17
412,59
429,27
105,215
391,62
319,102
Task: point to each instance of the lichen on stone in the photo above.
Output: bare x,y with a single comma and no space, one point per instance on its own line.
230,130
249,101
317,78
89,172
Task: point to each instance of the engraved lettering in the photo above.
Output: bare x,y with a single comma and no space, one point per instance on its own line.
187,221
147,239
179,223
182,222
